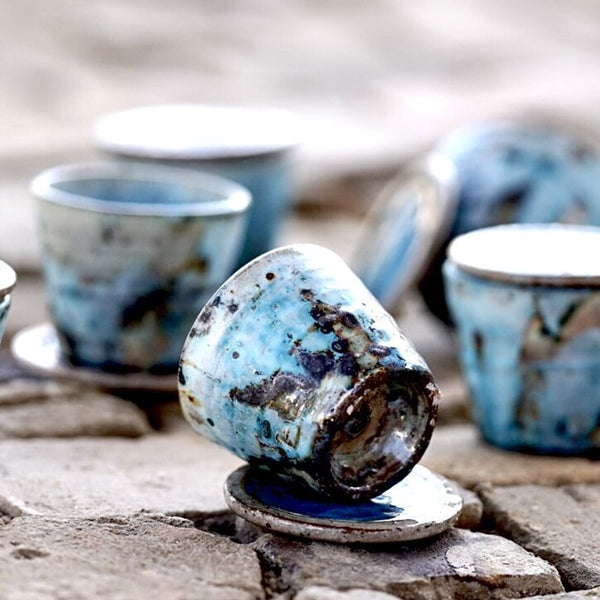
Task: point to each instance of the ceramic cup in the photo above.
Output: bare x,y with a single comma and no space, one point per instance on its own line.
131,253
516,171
294,366
8,280
249,146
526,302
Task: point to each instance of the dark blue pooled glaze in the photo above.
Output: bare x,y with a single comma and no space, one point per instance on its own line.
274,493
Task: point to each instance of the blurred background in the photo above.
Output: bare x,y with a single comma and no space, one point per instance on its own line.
373,82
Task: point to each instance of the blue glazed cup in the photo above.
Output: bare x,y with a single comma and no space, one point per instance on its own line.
249,146
526,302
294,366
131,253
8,280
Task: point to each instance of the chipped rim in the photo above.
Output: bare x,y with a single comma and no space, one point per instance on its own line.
8,278
227,197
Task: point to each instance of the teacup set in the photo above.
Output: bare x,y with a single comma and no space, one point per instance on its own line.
293,361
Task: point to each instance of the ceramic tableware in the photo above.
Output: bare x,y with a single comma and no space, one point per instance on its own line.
130,254
294,366
248,145
526,302
8,280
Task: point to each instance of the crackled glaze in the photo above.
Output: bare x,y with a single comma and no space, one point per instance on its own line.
295,366
131,254
530,339
516,172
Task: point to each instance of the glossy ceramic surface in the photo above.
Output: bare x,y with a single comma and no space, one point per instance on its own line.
421,505
517,172
294,365
526,301
131,254
407,223
250,146
8,280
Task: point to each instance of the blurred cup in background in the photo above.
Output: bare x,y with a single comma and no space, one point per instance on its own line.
249,146
130,254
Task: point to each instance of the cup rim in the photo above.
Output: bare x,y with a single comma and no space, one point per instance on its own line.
8,278
196,132
483,253
230,198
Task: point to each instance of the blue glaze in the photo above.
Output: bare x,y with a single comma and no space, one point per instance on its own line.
513,172
4,306
273,493
131,256
531,358
516,173
291,353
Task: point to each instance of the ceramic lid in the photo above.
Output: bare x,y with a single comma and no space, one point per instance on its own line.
190,132
540,254
406,225
8,278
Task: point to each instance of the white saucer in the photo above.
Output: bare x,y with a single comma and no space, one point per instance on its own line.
420,506
37,349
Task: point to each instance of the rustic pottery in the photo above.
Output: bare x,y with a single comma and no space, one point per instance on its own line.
295,367
249,146
131,253
516,171
526,302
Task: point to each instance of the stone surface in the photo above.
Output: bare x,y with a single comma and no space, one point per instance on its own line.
179,474
560,525
577,595
466,564
457,452
323,593
82,414
122,558
472,508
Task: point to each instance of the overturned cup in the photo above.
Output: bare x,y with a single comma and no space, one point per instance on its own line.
294,366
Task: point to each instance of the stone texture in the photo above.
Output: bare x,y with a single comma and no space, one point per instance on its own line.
461,563
180,474
472,509
84,414
577,595
560,525
457,452
323,593
122,558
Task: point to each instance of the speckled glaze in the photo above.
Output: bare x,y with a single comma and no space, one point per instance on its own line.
530,343
516,172
131,254
8,280
249,146
421,505
294,366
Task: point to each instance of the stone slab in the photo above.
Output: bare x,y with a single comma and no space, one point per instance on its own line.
122,558
466,564
317,592
457,452
578,595
180,474
84,414
556,524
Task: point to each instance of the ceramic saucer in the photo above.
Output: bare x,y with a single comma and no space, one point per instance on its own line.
404,228
37,349
421,505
